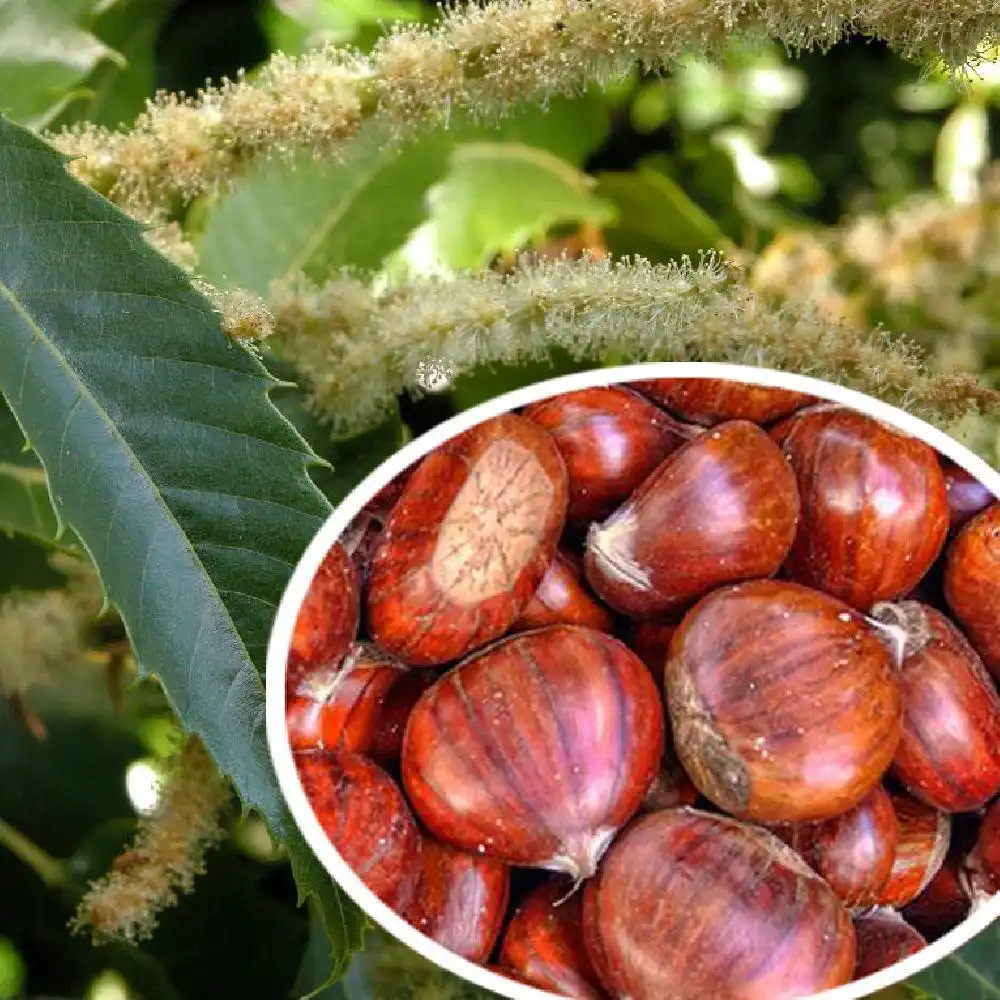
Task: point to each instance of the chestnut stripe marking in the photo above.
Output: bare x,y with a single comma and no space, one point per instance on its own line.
623,717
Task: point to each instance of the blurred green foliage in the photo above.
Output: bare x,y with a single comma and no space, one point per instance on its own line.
727,156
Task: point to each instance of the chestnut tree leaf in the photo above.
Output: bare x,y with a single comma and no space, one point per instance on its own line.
970,973
164,454
25,508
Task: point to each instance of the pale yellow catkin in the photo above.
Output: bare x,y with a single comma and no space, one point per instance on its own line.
168,853
358,349
478,61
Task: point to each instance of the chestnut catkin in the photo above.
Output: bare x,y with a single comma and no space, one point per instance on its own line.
687,905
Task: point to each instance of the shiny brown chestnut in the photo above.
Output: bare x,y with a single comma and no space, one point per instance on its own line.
943,904
544,943
611,438
949,753
853,852
722,508
671,787
784,702
562,599
972,584
362,706
536,750
967,496
651,641
874,505
710,401
327,622
884,938
460,899
689,905
364,815
924,838
988,845
467,542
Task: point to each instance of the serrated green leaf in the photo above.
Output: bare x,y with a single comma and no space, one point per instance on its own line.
498,197
44,55
24,495
166,456
971,973
656,217
316,216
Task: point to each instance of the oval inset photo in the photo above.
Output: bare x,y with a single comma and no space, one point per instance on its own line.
672,680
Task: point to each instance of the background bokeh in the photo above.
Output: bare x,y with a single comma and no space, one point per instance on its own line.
848,178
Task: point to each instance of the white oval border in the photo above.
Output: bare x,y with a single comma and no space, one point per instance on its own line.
351,505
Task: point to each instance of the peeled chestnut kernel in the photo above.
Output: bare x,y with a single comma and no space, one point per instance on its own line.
949,753
363,706
460,900
943,904
710,401
688,905
651,642
544,943
874,505
467,542
327,621
611,438
967,496
924,838
854,852
784,702
722,508
988,844
363,813
884,938
562,599
537,750
972,584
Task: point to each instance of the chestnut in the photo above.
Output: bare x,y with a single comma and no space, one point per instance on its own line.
924,838
874,505
363,813
884,938
362,706
536,750
460,899
544,943
988,845
972,584
688,904
562,599
327,622
784,702
943,904
671,787
853,852
467,542
611,438
651,641
710,401
949,753
722,508
966,495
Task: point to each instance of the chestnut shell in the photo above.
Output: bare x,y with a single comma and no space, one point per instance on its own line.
562,599
874,505
460,899
853,852
972,584
884,938
611,438
967,496
784,703
688,905
710,401
467,542
363,813
544,943
722,508
536,750
924,839
327,622
949,753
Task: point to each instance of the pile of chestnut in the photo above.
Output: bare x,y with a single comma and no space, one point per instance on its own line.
674,689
